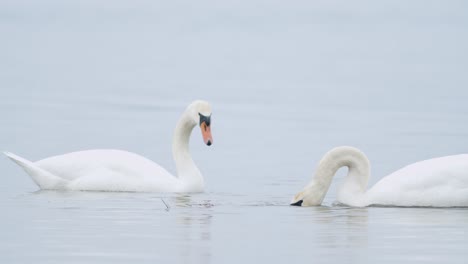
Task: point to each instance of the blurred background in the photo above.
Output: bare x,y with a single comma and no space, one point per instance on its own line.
287,82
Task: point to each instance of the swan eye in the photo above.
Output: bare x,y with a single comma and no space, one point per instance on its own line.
205,119
298,203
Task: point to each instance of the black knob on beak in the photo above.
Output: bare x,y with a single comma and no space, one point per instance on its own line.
208,143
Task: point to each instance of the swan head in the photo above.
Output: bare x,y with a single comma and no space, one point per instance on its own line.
200,113
311,195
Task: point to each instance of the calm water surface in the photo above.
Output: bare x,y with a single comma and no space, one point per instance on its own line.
287,81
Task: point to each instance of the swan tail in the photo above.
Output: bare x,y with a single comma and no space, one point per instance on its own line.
44,179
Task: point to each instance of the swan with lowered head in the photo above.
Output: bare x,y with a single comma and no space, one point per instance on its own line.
438,182
117,170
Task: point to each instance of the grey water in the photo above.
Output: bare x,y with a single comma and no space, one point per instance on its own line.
287,80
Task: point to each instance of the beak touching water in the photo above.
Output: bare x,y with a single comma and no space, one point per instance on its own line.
205,122
298,203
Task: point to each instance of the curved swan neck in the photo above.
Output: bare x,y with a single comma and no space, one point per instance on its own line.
186,168
355,183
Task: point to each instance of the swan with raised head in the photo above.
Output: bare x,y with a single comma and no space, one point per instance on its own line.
438,182
117,170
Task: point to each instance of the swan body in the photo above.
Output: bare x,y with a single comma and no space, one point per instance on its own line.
117,170
438,182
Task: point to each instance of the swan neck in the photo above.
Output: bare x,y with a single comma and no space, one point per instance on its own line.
352,190
186,168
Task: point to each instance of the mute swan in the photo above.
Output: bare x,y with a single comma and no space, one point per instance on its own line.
439,182
116,170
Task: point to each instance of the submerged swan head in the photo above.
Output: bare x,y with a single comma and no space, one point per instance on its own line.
311,195
200,113
354,186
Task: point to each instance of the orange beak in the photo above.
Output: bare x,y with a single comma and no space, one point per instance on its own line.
206,132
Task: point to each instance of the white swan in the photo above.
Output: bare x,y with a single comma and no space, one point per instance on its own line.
439,182
116,170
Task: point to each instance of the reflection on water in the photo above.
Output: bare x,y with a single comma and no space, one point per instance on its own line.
350,224
120,227
195,228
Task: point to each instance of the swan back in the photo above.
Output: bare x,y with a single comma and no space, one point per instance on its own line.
438,182
73,165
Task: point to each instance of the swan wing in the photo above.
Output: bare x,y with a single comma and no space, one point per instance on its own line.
107,170
436,182
43,178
